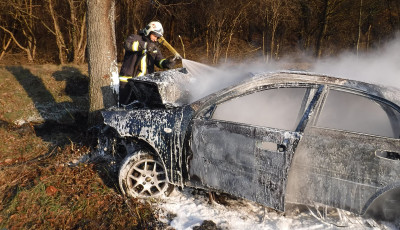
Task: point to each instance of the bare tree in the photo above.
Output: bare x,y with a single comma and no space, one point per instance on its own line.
103,71
276,11
5,43
324,27
22,13
71,40
62,55
275,18
330,8
78,30
5,37
219,23
134,15
233,26
359,26
215,36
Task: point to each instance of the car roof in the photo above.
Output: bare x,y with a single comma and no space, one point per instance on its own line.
171,88
292,78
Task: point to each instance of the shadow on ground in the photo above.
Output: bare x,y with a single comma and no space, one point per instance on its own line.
63,122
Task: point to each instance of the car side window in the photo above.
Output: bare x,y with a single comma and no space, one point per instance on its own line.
356,113
275,108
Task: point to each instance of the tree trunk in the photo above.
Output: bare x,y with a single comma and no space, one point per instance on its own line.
24,19
398,14
57,33
80,47
275,8
359,26
103,70
390,15
323,28
30,31
232,29
5,45
77,34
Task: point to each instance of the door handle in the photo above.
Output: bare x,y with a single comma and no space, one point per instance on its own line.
281,148
272,146
387,154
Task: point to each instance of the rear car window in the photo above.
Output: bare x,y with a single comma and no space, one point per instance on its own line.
357,113
275,108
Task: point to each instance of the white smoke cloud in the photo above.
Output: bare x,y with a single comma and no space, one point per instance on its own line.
207,80
381,66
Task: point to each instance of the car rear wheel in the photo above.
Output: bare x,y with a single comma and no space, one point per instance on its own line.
143,176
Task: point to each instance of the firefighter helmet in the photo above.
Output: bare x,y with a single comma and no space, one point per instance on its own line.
154,27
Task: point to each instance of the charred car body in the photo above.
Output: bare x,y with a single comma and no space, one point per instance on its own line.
276,138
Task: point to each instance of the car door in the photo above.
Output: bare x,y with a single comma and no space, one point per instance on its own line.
349,154
244,146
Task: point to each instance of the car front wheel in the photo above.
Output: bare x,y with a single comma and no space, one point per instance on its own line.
143,176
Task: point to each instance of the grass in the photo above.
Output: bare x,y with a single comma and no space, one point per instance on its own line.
51,195
19,143
32,93
39,138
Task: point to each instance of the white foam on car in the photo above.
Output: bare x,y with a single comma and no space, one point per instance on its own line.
188,209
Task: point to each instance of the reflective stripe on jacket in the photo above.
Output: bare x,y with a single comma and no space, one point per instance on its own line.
138,62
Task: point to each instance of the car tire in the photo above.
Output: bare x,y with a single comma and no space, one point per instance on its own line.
143,176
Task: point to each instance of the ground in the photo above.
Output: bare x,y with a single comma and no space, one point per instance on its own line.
43,133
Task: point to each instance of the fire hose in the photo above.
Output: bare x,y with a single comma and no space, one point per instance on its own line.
162,41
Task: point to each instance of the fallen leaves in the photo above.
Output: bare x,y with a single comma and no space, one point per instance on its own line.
11,161
51,190
45,194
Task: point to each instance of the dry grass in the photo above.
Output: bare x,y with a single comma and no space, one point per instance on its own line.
49,194
42,92
38,188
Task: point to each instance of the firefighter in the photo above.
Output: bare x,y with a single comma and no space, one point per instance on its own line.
141,54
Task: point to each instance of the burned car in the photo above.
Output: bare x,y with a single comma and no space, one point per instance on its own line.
276,138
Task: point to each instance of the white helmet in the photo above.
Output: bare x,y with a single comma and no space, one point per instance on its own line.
154,27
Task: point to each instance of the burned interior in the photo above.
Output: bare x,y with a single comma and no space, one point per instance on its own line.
276,138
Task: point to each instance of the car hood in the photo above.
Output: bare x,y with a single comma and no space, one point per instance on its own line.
163,89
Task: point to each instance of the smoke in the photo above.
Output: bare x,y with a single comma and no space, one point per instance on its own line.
381,66
206,79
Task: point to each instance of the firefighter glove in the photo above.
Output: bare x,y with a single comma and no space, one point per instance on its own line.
169,63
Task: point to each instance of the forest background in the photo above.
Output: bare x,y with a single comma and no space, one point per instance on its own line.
54,31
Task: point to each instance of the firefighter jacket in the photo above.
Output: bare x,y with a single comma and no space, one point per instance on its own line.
138,60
